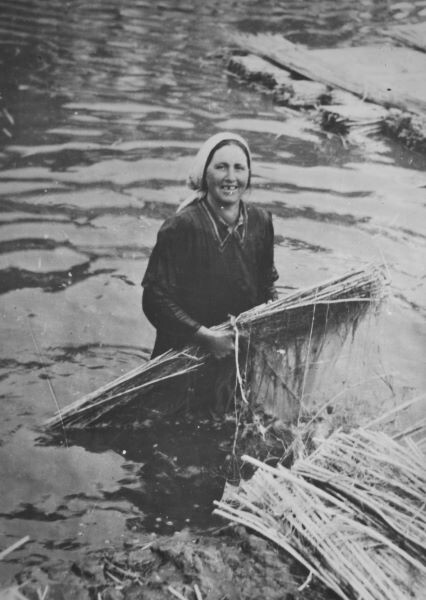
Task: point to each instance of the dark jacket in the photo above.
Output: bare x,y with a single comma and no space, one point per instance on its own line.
201,271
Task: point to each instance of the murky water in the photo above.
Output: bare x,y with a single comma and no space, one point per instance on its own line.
102,106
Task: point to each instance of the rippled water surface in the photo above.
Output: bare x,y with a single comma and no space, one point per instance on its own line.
102,106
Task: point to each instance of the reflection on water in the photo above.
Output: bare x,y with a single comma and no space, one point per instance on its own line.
174,469
102,106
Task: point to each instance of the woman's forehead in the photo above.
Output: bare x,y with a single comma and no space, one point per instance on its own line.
231,153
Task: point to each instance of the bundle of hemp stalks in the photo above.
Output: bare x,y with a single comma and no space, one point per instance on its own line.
306,316
353,513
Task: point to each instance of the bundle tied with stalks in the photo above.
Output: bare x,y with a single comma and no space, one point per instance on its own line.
353,514
276,344
384,481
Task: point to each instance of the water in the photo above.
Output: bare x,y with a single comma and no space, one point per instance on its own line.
102,106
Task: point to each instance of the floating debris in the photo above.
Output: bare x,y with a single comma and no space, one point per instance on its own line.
14,547
408,128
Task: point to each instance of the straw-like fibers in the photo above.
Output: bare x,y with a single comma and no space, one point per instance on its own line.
357,523
342,296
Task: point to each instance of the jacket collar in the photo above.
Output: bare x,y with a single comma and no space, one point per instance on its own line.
222,230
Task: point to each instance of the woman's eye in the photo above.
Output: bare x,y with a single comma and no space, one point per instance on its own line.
223,167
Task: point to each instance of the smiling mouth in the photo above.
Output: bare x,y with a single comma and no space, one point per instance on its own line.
229,189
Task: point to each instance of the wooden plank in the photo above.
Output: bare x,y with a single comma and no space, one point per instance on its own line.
413,36
393,71
360,71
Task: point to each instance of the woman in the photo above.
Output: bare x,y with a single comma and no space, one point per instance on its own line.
212,259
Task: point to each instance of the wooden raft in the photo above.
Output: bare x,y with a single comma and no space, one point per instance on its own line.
362,71
410,35
378,88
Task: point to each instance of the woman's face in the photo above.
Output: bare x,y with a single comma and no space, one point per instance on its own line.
227,175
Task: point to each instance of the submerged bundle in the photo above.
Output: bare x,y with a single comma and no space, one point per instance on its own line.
304,316
341,526
362,117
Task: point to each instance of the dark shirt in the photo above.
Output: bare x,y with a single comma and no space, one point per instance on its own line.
201,270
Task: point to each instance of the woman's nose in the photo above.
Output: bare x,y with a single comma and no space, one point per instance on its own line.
230,174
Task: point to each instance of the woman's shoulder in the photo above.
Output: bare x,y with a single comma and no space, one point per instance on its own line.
182,221
258,214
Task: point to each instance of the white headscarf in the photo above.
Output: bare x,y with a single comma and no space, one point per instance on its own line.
196,173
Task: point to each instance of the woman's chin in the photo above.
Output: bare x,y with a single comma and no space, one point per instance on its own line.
228,199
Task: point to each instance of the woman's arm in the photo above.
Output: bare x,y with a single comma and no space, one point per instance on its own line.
165,277
166,273
161,309
270,272
164,313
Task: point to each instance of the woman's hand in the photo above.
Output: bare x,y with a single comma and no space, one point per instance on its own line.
219,343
